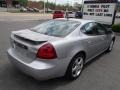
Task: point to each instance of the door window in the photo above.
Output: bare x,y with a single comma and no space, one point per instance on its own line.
90,29
93,28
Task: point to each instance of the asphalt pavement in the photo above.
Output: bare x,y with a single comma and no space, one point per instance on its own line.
102,73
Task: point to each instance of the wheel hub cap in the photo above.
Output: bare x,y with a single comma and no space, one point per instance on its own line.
77,67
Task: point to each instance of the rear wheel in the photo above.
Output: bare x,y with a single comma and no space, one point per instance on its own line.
75,67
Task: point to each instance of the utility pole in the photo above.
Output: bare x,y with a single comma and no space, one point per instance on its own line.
55,5
82,5
47,6
44,6
68,5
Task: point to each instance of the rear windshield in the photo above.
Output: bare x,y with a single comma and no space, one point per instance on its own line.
58,28
70,12
57,12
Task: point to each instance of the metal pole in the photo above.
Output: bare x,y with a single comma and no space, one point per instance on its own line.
55,5
82,5
68,4
47,6
113,21
44,6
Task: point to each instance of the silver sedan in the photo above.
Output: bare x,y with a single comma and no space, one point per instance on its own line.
59,47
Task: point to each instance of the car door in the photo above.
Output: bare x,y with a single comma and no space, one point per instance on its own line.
92,40
102,32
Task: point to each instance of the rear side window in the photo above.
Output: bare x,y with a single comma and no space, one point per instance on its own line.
70,12
90,29
93,28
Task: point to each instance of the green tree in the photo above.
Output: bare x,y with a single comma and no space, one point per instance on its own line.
23,2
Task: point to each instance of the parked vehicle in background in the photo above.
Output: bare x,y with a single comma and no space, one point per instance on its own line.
17,6
70,14
36,10
23,9
118,15
59,47
78,14
30,9
58,14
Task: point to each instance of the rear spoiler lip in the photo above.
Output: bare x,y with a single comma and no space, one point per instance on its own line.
28,40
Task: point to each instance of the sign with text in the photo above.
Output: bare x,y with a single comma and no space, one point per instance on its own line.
100,10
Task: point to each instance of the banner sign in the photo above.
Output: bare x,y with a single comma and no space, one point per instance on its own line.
100,10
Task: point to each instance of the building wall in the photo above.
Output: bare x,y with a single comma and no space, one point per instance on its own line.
34,5
5,3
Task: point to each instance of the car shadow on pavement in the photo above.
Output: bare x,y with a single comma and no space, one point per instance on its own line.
22,80
95,59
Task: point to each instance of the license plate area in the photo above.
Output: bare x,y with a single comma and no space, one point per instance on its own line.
23,52
20,45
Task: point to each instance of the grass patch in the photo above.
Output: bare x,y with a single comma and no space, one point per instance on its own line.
116,28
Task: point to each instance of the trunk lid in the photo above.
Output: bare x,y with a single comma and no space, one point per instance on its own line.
33,36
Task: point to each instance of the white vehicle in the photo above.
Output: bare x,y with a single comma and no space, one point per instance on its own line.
23,9
71,14
118,15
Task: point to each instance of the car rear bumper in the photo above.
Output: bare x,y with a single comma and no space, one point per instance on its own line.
38,69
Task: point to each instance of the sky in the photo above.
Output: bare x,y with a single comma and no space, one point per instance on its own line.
63,1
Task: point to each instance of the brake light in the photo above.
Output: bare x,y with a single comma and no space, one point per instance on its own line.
47,51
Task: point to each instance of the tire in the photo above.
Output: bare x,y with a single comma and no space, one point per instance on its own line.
110,46
75,67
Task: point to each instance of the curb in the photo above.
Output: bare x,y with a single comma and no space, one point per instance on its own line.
24,20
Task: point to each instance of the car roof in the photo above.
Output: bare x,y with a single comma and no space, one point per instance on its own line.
58,11
82,21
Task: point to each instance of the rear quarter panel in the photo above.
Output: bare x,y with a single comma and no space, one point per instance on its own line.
68,48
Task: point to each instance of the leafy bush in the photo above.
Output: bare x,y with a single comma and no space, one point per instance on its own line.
116,28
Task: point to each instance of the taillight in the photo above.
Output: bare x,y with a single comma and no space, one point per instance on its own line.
47,51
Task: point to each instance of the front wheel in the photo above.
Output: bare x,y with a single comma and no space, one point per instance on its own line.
75,67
